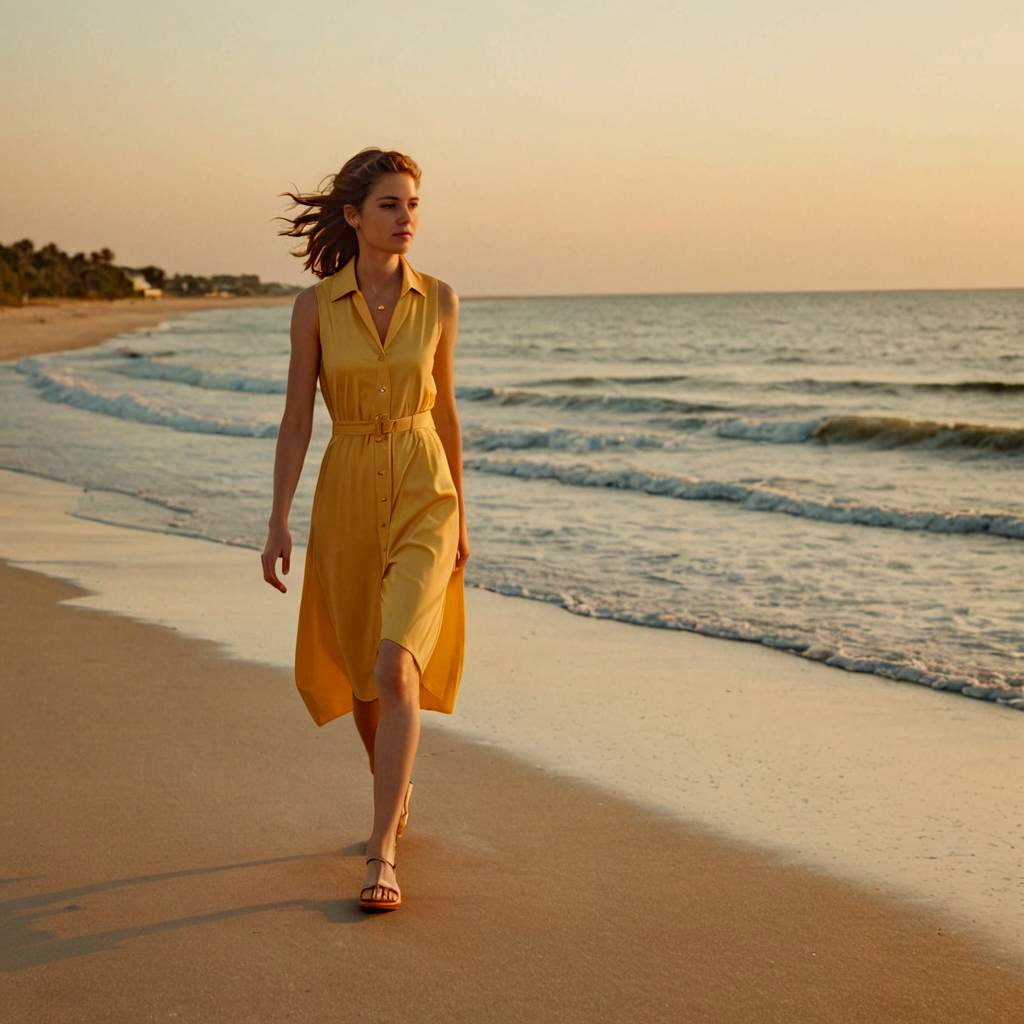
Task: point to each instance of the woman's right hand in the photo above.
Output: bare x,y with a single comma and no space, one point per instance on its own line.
279,545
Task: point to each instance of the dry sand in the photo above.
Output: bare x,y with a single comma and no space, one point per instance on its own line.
56,325
180,843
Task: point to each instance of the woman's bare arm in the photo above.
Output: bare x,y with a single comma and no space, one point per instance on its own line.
294,433
446,417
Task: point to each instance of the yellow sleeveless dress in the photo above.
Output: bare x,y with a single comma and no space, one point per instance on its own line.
384,526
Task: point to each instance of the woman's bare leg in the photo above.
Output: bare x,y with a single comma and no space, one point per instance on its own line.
394,751
367,715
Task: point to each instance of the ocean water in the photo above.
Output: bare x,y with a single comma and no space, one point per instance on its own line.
838,475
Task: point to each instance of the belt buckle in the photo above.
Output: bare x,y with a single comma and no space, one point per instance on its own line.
379,430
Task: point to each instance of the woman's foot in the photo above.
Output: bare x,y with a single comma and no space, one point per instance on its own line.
380,883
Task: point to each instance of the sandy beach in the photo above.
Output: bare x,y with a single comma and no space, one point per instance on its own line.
53,325
181,844
616,823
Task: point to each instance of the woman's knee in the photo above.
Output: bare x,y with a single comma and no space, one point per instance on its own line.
396,673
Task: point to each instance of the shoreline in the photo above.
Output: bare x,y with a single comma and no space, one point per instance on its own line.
57,325
192,847
837,773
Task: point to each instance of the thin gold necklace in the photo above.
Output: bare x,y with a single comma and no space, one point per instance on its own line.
374,296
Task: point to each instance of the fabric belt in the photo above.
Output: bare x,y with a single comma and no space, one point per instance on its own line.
381,424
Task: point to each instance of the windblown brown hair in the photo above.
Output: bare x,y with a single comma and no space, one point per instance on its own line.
330,240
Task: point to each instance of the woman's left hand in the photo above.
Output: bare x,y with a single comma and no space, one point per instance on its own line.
462,555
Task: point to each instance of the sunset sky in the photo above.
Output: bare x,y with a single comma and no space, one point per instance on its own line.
652,146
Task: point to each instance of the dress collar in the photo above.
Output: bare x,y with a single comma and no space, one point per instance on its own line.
344,281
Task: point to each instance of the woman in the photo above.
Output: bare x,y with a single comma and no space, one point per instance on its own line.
381,622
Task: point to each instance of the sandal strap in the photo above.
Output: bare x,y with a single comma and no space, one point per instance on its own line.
382,860
380,885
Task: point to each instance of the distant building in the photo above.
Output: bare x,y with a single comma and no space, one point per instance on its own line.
141,287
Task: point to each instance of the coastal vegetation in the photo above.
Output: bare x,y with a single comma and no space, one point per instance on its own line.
28,273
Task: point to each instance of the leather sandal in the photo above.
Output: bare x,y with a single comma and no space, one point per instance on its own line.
389,904
404,819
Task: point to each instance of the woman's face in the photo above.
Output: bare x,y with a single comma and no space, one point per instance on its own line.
388,219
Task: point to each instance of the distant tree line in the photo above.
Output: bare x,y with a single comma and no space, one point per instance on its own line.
30,273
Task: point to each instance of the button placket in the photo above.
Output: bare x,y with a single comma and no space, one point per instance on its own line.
382,450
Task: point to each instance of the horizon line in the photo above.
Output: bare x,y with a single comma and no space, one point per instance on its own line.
780,291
